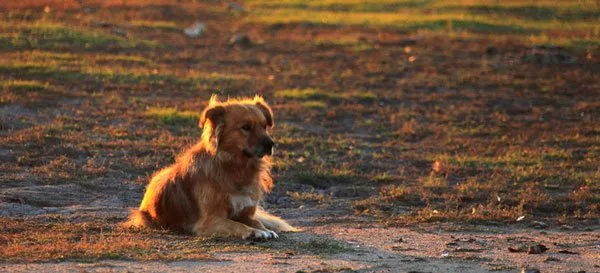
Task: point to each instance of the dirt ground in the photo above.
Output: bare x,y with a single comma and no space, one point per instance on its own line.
345,243
429,148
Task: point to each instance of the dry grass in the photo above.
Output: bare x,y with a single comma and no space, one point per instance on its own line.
28,241
309,197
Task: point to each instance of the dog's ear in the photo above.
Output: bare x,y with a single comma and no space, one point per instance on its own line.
265,109
214,114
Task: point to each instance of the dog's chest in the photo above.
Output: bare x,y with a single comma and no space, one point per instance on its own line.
241,202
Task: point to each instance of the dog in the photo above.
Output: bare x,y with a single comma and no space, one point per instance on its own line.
215,186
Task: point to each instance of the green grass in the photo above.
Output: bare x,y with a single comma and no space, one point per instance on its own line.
163,25
314,104
342,6
48,71
78,71
540,10
367,96
24,86
529,20
50,35
307,94
352,44
316,98
27,92
128,59
171,116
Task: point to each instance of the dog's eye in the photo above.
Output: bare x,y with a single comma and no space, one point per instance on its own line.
247,127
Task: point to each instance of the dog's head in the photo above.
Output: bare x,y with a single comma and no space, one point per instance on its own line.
239,127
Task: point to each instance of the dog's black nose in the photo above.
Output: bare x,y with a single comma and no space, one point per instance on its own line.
268,145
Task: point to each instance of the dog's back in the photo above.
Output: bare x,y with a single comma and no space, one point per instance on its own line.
169,201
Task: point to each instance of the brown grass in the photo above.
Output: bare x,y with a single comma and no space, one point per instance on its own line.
28,241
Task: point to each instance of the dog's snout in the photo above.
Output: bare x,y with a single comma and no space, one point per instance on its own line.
268,145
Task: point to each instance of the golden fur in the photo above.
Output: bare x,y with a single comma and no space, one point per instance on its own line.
215,186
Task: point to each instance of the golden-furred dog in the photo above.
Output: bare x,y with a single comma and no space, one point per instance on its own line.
215,186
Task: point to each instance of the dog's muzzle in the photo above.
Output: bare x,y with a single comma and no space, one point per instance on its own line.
266,147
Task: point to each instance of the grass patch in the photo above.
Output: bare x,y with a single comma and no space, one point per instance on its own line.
50,71
404,21
316,98
25,86
307,94
532,12
434,181
342,6
516,18
117,74
128,59
383,177
485,27
163,25
309,197
314,104
56,36
27,92
171,116
389,196
366,96
353,44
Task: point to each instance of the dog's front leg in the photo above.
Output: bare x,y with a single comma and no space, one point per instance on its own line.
273,222
248,220
223,227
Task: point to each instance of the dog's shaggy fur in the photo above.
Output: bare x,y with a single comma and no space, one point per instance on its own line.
215,186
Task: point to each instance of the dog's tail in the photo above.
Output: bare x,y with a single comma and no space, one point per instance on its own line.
138,219
273,222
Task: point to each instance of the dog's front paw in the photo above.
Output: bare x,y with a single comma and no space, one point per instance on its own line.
263,234
272,233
